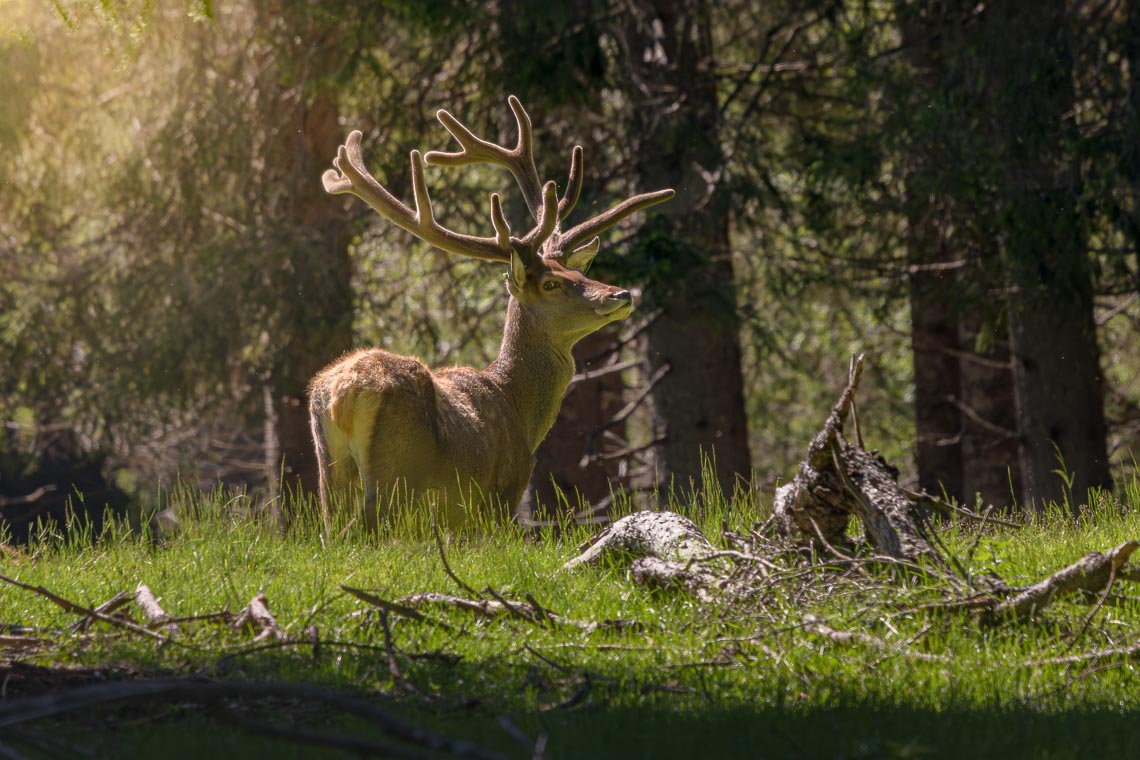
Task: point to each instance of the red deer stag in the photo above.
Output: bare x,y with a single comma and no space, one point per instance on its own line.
464,438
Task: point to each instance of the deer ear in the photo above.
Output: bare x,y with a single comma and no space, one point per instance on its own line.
516,276
581,258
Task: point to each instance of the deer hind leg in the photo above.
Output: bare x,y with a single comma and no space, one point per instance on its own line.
340,478
321,449
348,429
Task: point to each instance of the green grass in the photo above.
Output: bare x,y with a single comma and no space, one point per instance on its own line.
696,680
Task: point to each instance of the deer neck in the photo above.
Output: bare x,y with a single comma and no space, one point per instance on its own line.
533,369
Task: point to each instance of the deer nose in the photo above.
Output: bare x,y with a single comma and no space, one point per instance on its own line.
624,295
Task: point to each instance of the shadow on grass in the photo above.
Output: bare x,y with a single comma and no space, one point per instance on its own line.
705,730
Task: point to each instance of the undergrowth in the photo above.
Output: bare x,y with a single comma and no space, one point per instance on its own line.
689,678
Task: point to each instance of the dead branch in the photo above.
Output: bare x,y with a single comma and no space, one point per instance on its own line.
30,498
155,615
22,642
393,666
1090,573
108,607
1097,655
608,369
400,609
820,628
258,617
933,502
488,609
79,609
446,567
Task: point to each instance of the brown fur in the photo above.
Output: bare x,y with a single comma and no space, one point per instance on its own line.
386,425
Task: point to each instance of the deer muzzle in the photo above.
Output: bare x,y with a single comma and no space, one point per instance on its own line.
615,304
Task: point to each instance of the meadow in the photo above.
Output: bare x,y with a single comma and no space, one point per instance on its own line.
631,672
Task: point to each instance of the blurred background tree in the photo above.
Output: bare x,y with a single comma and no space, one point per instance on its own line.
952,188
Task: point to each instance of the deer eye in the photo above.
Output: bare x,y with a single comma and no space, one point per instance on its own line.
551,285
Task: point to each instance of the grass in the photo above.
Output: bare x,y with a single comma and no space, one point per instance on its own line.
743,680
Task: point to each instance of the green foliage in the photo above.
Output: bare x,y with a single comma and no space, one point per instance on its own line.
717,677
166,252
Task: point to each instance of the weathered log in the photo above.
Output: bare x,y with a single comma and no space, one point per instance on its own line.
653,572
665,550
665,535
838,480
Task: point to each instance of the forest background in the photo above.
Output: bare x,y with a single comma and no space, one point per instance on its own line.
951,187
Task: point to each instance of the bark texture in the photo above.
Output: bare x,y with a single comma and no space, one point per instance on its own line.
1060,406
838,480
323,330
935,349
991,468
664,535
699,403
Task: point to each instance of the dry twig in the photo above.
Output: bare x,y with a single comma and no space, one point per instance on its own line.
79,609
258,616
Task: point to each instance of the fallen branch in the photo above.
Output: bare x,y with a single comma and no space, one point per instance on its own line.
79,609
1090,573
22,642
257,616
393,666
400,609
820,628
155,615
1098,655
933,502
34,496
108,607
493,608
447,567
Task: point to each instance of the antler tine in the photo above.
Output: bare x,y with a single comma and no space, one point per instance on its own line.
607,219
519,161
502,229
547,221
573,184
350,176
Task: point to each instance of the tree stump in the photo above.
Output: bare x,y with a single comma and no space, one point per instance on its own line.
839,480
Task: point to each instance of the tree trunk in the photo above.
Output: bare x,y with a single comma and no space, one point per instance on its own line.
699,403
991,463
323,330
963,395
1132,125
935,349
1060,407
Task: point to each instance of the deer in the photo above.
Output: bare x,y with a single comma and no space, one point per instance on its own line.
462,438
